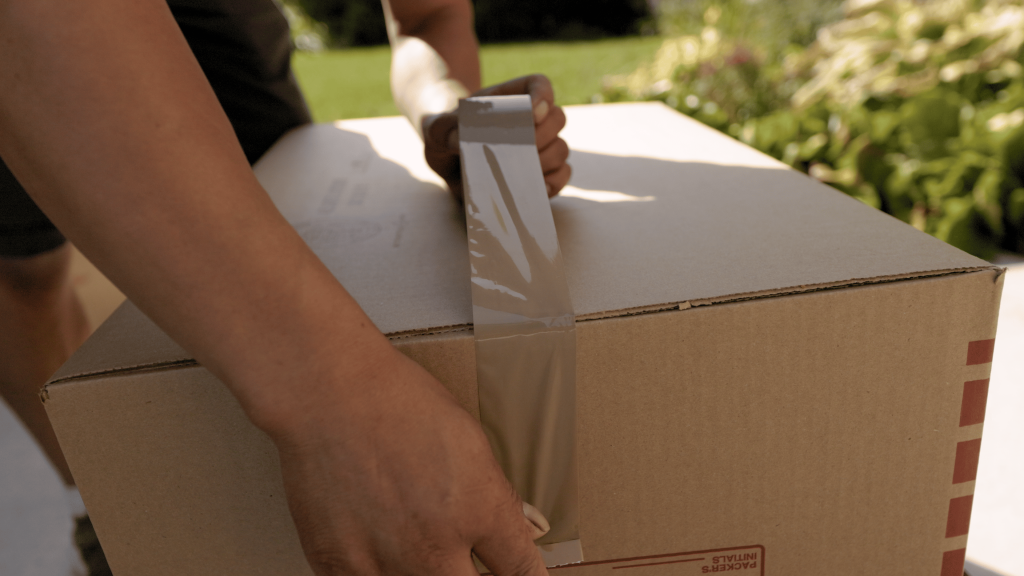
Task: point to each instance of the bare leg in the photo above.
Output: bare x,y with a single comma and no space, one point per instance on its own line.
41,324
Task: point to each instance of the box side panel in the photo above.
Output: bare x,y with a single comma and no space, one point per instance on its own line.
451,358
176,479
822,426
127,339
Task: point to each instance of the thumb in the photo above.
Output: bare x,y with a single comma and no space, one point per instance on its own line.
542,94
535,521
441,132
509,550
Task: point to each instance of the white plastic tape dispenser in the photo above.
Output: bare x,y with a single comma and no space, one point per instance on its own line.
523,320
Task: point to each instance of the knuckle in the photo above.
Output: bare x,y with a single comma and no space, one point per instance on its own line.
540,79
522,565
431,557
559,178
331,563
562,149
539,85
557,117
328,556
554,157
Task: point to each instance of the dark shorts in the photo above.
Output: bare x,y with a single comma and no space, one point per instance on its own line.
245,50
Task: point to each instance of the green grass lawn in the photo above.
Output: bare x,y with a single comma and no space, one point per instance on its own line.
353,83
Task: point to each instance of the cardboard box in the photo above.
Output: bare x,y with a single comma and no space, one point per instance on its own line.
774,378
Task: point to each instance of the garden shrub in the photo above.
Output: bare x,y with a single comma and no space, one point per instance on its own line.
916,108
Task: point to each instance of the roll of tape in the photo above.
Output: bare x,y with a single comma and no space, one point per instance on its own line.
524,325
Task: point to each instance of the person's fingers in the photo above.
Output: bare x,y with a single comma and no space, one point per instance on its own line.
441,131
462,565
554,156
537,523
547,131
441,148
542,94
441,134
557,180
508,550
465,568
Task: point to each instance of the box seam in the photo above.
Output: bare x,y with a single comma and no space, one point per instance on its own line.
135,368
666,307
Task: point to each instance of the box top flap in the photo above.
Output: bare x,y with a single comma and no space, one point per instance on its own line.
663,211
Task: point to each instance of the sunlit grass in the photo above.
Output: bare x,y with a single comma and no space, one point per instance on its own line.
354,83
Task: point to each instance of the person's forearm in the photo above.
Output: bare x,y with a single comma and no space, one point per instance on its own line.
108,121
429,78
435,62
447,25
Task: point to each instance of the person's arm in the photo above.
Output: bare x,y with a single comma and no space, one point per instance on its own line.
434,62
109,123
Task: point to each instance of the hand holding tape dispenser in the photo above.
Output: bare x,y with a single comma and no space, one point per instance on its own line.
523,320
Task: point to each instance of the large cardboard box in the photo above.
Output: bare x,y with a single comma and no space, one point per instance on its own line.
774,379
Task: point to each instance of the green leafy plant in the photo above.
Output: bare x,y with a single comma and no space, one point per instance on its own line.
711,75
916,108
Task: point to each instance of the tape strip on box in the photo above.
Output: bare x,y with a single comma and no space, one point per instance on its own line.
524,325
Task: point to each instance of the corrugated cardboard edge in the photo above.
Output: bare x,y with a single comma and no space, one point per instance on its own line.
786,291
134,369
468,328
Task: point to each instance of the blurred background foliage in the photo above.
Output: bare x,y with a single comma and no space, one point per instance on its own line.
343,23
343,58
354,82
915,107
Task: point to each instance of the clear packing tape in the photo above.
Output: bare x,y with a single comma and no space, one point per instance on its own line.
524,325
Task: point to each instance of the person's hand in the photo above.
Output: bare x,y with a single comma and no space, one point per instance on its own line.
389,475
441,135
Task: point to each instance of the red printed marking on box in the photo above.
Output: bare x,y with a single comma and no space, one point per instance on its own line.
966,467
980,351
658,563
972,407
738,561
959,520
953,562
